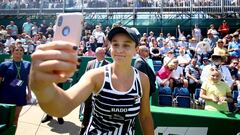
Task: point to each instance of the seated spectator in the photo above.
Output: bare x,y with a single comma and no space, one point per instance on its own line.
205,61
89,52
155,52
219,49
217,61
164,74
193,73
202,49
183,58
177,78
233,68
215,92
168,56
192,46
234,46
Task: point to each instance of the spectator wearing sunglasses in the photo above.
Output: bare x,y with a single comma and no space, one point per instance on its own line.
233,68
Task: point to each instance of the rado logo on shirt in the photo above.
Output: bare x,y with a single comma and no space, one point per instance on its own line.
119,110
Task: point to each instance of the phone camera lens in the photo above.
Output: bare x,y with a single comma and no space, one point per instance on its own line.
60,21
66,31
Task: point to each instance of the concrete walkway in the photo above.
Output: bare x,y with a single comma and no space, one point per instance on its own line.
30,123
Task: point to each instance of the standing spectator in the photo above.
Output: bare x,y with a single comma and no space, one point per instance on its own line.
180,33
96,63
215,92
12,29
223,29
142,65
43,27
196,33
99,36
34,28
27,27
14,80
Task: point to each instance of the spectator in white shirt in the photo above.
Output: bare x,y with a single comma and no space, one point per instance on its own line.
183,58
217,61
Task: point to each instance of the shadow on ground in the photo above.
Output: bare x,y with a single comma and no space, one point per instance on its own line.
67,127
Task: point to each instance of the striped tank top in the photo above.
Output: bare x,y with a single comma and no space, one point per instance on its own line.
114,112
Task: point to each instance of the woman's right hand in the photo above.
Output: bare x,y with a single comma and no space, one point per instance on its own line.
215,99
53,62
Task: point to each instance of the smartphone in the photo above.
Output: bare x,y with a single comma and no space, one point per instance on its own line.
68,27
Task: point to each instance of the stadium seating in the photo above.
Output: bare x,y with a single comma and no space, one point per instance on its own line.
7,113
165,96
181,97
157,64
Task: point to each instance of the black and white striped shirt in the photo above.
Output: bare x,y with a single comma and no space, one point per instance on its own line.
114,112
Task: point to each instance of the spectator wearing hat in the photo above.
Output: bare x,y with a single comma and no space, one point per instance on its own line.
182,43
205,62
172,43
192,46
219,49
151,35
234,46
203,49
217,61
224,28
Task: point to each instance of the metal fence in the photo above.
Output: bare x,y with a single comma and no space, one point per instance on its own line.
51,6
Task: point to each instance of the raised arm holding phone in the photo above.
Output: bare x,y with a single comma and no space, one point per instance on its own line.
120,92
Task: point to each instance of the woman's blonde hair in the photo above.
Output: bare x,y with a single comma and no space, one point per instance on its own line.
214,70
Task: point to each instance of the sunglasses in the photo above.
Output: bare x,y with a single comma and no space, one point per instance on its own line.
20,50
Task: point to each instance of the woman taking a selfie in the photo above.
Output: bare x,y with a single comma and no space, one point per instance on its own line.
120,92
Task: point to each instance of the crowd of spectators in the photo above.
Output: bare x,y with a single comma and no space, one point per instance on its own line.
50,4
192,52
